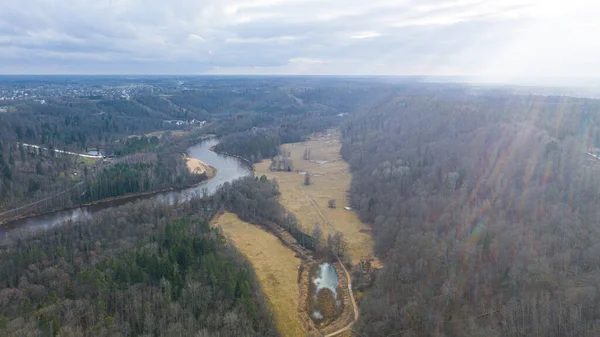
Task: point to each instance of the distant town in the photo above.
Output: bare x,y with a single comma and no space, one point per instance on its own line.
40,92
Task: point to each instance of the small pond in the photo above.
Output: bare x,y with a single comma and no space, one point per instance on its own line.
324,302
326,277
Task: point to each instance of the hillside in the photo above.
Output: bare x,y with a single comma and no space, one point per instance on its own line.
483,212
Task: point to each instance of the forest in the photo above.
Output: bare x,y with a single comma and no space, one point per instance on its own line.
32,175
53,181
138,144
482,203
252,115
253,146
484,212
121,179
258,137
141,269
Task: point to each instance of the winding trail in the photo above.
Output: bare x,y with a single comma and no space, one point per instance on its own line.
355,307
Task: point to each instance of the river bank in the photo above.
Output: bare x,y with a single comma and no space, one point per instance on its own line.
210,172
244,159
225,169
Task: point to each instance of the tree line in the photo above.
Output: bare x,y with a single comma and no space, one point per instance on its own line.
254,200
483,210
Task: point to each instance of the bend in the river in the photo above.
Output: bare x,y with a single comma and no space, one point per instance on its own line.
228,169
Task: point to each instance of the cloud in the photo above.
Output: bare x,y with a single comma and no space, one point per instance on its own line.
304,60
482,38
365,35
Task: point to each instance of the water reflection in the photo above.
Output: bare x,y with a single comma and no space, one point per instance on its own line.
326,278
324,303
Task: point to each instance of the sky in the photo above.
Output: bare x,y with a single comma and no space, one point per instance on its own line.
481,39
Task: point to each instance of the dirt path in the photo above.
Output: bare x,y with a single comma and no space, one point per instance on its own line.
354,306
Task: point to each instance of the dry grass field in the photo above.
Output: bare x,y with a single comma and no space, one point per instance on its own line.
276,268
173,133
196,166
330,179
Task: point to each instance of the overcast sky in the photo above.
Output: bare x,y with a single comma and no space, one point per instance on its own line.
486,38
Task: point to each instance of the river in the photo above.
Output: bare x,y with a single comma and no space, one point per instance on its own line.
228,168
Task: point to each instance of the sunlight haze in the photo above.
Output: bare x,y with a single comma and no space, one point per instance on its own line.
483,40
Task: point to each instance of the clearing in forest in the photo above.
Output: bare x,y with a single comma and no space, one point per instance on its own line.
330,179
275,265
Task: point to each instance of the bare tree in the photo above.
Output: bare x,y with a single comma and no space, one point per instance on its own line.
337,244
306,155
317,235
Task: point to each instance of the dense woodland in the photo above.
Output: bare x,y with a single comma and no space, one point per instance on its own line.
253,145
55,181
154,166
137,144
31,175
262,140
142,269
121,179
484,211
283,110
28,174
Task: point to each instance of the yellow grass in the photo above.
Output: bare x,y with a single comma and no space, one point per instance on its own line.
173,133
196,166
329,180
276,269
89,161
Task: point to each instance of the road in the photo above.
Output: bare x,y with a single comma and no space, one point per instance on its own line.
61,151
355,307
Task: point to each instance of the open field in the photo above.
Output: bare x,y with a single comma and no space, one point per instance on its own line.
276,269
173,133
330,179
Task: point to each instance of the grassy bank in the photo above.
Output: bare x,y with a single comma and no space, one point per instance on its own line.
275,266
